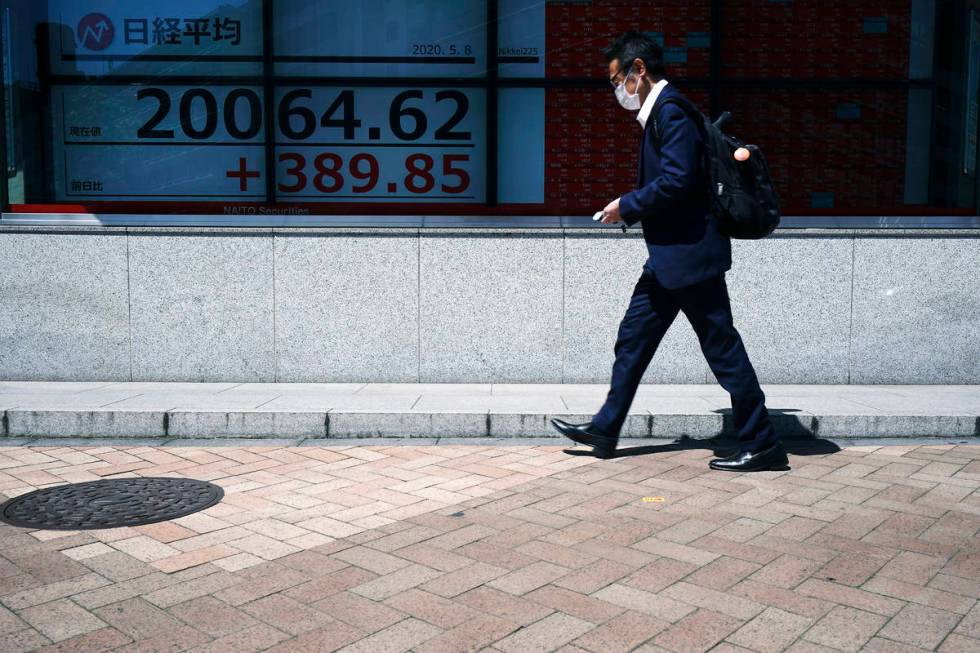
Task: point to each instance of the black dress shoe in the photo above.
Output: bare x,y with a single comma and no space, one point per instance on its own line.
753,461
603,445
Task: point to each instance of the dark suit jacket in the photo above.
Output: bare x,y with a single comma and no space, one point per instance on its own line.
671,202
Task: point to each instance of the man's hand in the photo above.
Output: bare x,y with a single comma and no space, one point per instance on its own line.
611,212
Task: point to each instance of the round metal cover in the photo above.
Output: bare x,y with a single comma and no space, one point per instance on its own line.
110,503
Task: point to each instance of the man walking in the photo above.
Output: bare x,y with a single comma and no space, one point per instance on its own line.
685,271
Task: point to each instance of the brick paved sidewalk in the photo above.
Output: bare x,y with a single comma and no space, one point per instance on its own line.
505,548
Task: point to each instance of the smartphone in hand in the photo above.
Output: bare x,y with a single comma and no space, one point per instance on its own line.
599,215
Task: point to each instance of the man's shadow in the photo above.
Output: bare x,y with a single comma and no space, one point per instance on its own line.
799,437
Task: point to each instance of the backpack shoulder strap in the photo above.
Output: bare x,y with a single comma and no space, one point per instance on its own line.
699,121
684,104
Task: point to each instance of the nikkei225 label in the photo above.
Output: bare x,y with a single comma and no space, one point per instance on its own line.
380,144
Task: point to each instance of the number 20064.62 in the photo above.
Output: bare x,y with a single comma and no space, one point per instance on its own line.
290,110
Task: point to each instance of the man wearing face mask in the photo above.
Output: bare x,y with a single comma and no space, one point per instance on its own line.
685,270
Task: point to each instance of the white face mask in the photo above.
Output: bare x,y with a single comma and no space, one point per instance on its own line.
627,101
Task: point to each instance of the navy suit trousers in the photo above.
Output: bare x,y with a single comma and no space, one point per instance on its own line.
706,304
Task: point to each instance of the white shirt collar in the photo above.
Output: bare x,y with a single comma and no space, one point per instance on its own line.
649,102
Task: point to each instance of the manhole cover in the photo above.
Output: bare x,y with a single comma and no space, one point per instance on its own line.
110,503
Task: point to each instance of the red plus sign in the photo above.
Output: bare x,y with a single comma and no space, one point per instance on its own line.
242,174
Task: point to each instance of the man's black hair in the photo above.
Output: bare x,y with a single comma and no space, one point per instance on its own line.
630,46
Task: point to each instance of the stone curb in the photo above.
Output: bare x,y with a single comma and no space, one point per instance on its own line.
337,424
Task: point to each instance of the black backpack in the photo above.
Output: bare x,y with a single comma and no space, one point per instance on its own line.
741,194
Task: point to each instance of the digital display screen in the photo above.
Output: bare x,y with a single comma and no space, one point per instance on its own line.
335,106
333,143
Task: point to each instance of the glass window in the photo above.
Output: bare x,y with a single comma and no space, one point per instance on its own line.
118,105
482,107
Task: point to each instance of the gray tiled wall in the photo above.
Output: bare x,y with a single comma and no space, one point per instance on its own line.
201,307
65,306
469,305
791,303
347,307
916,310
